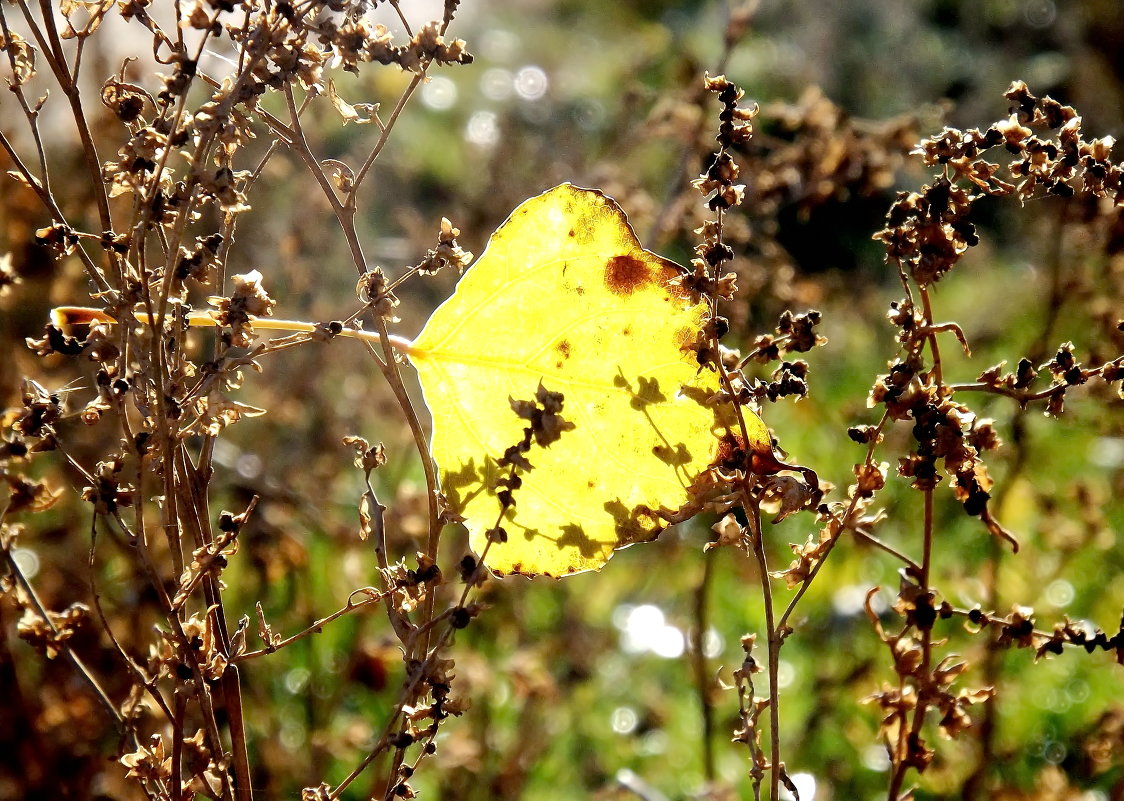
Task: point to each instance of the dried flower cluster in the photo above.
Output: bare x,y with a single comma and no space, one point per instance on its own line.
152,212
168,203
808,166
926,235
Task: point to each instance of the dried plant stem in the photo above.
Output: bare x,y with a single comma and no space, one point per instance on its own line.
1022,396
846,515
388,364
182,641
866,536
779,342
199,521
299,143
387,127
931,336
703,680
142,679
315,628
41,184
402,17
345,214
73,95
425,629
177,743
408,691
897,778
398,619
773,641
64,647
232,691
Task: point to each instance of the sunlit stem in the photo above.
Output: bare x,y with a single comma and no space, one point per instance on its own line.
82,315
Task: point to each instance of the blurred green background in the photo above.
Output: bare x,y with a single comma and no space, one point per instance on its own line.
584,688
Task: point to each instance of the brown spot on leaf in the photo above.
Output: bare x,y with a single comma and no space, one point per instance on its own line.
573,232
626,274
563,347
627,331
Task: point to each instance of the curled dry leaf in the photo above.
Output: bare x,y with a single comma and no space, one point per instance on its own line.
729,532
359,113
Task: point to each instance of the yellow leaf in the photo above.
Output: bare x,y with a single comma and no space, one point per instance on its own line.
565,296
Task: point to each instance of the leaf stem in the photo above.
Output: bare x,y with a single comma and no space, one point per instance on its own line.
84,315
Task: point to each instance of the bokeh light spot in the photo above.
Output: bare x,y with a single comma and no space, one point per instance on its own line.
439,93
1060,593
644,628
624,720
531,83
482,129
497,84
27,561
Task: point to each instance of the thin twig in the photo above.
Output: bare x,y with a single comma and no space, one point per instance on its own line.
142,679
846,515
384,136
74,97
703,679
408,691
62,644
774,641
866,536
315,628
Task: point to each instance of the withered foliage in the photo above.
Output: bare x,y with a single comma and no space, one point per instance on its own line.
167,205
149,213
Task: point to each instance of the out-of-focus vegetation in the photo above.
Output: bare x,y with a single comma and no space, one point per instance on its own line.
614,684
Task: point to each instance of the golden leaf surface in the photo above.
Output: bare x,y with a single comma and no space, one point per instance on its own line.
564,295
